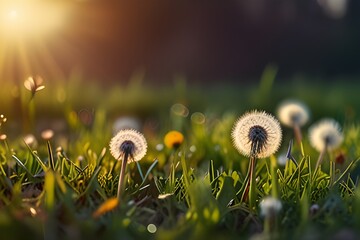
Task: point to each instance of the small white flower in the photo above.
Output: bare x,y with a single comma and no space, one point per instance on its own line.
257,133
3,137
128,140
325,134
270,206
293,113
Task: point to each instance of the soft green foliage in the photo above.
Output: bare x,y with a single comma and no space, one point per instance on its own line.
51,189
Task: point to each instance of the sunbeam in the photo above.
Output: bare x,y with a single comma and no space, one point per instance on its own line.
26,29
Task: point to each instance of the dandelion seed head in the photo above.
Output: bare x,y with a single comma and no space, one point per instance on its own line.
3,137
325,134
257,133
270,206
292,113
30,140
128,141
47,134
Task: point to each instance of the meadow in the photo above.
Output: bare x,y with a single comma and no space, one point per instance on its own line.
59,179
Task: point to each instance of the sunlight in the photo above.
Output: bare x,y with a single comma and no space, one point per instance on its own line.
13,14
30,17
26,29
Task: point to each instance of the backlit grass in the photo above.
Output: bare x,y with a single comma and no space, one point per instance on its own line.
64,185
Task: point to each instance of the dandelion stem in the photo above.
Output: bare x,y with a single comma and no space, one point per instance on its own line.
121,184
252,183
332,172
245,189
320,159
267,225
297,133
249,191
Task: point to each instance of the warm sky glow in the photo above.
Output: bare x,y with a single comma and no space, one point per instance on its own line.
111,39
30,17
25,26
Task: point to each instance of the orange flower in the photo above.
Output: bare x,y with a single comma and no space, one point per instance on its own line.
107,206
173,139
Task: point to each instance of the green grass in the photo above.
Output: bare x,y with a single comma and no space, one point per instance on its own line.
51,189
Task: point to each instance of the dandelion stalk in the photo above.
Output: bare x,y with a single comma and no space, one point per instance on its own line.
297,133
332,171
320,158
121,184
252,183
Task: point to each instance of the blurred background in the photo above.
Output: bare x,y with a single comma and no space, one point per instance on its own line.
142,58
227,41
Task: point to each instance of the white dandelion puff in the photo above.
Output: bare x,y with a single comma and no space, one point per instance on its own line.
257,134
293,113
282,159
47,134
325,135
270,206
30,140
128,141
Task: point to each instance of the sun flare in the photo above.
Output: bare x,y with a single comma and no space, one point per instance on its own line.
30,17
25,30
